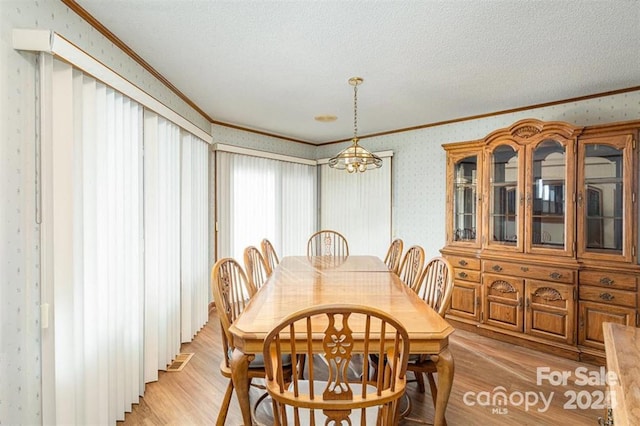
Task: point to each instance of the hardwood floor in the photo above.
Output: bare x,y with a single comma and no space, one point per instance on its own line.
484,367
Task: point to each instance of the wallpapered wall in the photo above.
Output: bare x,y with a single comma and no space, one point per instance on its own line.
418,178
19,281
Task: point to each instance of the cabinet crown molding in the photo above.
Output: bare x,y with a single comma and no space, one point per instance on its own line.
532,128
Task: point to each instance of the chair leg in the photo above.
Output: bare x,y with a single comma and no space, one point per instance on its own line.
302,358
420,381
374,375
374,362
222,415
432,385
434,390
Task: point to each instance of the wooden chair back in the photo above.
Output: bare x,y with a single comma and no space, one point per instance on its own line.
411,266
436,284
327,243
270,255
334,399
394,254
255,267
231,293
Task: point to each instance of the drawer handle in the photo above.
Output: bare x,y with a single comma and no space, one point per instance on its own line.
463,275
606,296
497,268
462,263
606,281
555,275
524,269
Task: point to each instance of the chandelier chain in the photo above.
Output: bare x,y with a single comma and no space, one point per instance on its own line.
355,111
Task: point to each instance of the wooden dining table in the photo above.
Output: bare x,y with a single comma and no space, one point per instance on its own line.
299,282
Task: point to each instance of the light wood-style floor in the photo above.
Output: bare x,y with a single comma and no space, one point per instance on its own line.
193,395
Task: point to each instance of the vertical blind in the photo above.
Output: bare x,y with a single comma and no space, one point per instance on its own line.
162,243
264,198
130,264
106,324
195,235
358,205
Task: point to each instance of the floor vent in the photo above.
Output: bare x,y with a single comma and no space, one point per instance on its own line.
179,362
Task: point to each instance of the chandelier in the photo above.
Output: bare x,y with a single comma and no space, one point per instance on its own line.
355,158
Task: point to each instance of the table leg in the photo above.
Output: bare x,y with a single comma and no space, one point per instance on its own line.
240,377
445,368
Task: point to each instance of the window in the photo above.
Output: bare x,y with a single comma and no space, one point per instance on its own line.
358,206
264,198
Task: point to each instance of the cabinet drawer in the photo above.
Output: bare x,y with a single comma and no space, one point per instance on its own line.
464,262
529,271
467,275
609,279
608,296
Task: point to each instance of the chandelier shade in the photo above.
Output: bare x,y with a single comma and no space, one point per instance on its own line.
355,158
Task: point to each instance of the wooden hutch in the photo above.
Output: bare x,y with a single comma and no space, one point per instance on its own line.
542,233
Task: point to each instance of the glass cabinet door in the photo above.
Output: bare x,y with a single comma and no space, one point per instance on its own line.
465,200
605,198
505,199
549,224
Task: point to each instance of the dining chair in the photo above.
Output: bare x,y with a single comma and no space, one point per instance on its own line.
327,243
255,267
231,293
333,398
435,287
394,254
270,255
411,266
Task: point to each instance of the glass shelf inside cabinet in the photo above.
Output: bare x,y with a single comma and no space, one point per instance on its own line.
603,192
504,192
548,195
465,195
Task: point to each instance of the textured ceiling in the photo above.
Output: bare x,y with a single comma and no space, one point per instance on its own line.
274,65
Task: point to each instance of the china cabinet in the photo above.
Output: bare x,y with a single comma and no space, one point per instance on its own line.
542,233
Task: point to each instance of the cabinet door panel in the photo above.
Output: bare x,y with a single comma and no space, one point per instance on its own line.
504,219
549,224
465,300
503,302
464,172
605,198
550,311
592,315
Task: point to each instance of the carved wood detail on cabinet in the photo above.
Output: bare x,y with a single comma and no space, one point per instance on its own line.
542,231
